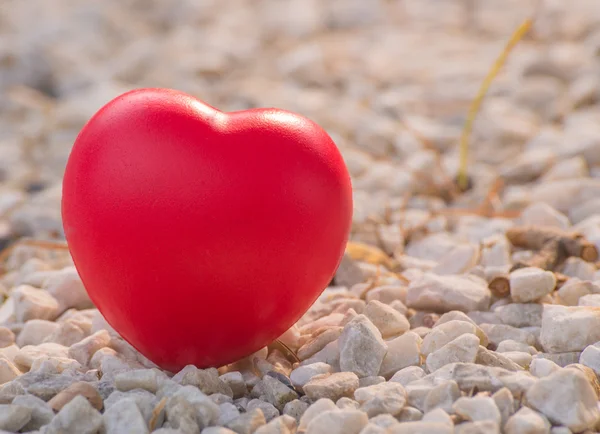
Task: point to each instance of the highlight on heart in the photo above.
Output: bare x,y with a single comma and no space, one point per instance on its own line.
299,217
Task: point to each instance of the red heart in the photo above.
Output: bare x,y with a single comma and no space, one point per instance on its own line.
200,235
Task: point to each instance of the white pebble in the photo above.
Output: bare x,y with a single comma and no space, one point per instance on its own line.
446,293
35,331
303,374
66,287
388,320
383,398
575,406
338,422
402,352
32,303
84,350
567,329
530,284
361,347
462,349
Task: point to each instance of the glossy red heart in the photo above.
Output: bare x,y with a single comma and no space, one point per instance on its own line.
200,235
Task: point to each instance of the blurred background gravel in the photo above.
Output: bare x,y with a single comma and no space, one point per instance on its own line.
376,74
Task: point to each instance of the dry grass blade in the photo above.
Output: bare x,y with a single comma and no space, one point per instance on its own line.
42,244
285,350
156,412
521,31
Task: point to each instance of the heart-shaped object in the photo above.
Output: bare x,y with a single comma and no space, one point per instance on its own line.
202,236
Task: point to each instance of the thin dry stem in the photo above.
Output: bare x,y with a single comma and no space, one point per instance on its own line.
521,31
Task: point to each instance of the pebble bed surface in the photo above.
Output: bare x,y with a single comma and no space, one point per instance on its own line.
465,313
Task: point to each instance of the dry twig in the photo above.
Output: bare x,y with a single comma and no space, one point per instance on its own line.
553,246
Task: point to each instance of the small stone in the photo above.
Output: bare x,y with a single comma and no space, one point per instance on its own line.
442,396
79,388
402,352
247,423
7,337
578,268
332,386
9,352
388,398
295,408
55,364
370,381
8,371
181,414
13,417
530,284
277,393
527,421
590,357
331,320
344,403
145,401
329,355
27,355
560,430
361,347
510,345
219,398
8,391
497,333
421,428
77,417
462,349
387,294
542,214
318,407
66,287
445,333
409,414
574,407
387,319
338,422
227,413
458,260
68,333
438,415
477,408
505,402
520,314
574,289
235,381
41,413
280,425
499,360
446,293
319,342
33,303
82,319
207,380
408,375
207,412
541,367
590,300
371,428
521,358
124,418
84,350
269,410
479,427
146,379
209,430
562,326
303,374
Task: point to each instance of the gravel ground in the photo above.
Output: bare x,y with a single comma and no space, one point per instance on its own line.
466,313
